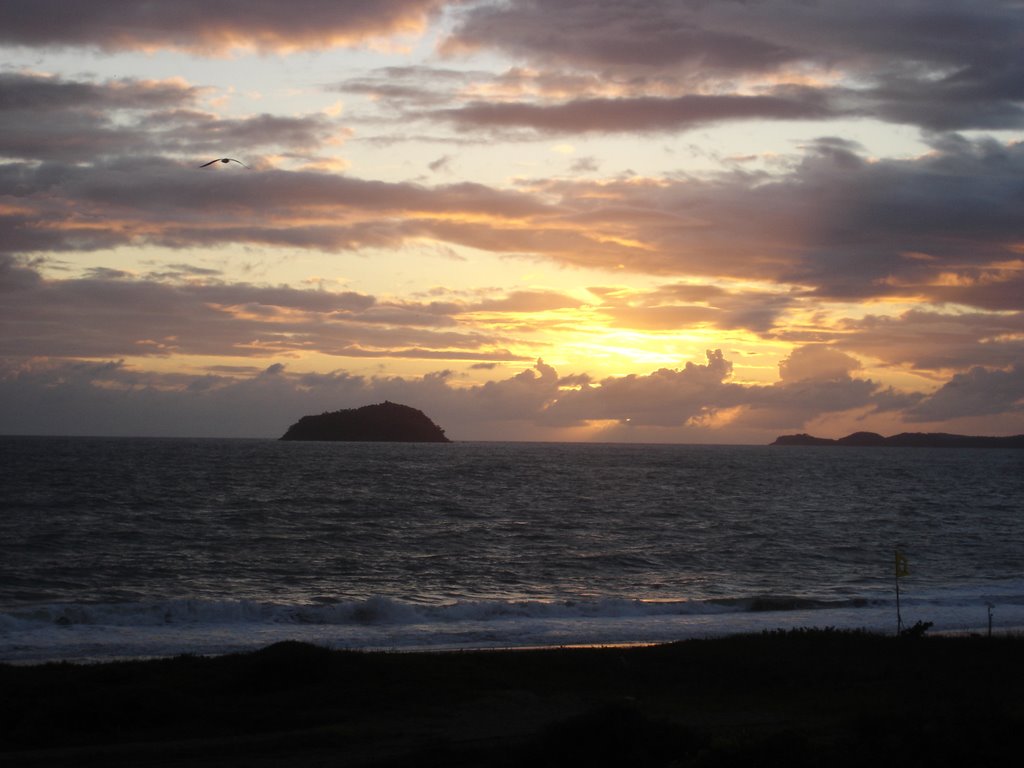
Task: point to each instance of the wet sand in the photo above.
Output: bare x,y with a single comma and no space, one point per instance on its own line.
795,698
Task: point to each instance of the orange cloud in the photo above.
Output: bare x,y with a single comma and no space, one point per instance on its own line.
210,26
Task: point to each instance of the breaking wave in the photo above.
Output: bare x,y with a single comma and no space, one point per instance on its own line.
387,611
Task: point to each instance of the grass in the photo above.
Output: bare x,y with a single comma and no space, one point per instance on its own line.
794,698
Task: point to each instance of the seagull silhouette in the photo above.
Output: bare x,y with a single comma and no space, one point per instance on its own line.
224,160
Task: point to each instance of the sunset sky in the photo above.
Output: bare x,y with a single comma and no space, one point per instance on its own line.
706,221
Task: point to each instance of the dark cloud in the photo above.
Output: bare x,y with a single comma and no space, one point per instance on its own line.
665,397
996,287
108,313
974,97
208,26
701,396
111,398
605,34
761,36
893,225
42,94
49,118
58,207
929,340
16,277
191,132
936,227
263,193
938,64
976,392
697,400
53,119
639,114
789,406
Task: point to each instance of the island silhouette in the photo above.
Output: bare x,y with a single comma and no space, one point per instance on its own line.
383,422
906,440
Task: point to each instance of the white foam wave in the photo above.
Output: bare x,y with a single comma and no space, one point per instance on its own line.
384,611
376,611
165,628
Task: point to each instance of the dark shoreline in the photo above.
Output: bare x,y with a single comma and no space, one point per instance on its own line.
783,698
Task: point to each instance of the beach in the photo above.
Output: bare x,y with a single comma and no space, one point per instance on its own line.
795,698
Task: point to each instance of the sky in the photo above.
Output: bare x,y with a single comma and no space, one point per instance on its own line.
696,221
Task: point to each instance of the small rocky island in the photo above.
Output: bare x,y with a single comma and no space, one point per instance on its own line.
906,440
383,422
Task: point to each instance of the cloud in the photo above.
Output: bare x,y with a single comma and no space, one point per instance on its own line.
414,85
636,114
906,61
442,163
973,97
841,225
910,267
976,392
586,165
525,301
687,305
931,340
891,226
151,200
741,36
41,94
610,34
209,26
112,398
665,397
109,314
941,228
49,118
697,400
816,362
702,397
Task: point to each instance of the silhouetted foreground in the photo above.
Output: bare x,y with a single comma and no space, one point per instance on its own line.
384,422
819,698
906,440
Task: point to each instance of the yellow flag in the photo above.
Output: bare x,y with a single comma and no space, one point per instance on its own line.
902,569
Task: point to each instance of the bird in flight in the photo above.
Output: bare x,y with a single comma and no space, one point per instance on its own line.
224,160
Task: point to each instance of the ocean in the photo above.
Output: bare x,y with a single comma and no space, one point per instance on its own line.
124,548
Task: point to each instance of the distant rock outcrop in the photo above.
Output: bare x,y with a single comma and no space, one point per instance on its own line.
906,440
384,422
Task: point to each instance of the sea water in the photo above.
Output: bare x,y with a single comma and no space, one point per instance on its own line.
117,548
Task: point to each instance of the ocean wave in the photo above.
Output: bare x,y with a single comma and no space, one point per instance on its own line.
96,632
388,611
